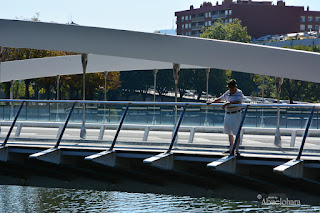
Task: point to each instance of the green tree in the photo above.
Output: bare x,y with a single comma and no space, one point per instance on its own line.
232,32
229,31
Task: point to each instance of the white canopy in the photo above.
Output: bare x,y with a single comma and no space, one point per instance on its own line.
69,65
228,55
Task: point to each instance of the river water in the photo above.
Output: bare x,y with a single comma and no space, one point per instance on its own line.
38,199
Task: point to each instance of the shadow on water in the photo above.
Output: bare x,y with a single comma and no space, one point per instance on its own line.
37,199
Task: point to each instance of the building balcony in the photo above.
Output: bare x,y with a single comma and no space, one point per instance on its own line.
198,27
197,19
219,16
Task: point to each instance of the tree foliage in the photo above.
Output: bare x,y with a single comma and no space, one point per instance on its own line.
229,31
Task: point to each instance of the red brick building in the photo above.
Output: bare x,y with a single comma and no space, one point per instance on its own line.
261,17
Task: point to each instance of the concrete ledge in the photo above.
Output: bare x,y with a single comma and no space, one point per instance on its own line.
50,155
107,158
293,168
162,161
4,153
225,164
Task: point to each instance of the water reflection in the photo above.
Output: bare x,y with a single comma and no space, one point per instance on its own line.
36,199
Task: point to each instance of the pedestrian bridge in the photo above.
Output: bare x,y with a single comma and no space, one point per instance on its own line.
159,147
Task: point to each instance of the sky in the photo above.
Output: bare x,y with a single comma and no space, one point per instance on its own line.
138,15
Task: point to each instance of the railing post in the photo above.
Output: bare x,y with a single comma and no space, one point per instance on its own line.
305,134
236,142
65,125
119,128
12,125
177,128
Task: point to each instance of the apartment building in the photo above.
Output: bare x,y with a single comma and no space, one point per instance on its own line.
260,17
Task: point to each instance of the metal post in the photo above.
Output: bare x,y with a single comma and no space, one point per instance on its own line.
12,90
206,123
176,129
277,139
155,71
1,57
305,134
58,87
84,60
208,73
105,85
12,125
119,128
237,141
65,125
176,73
11,97
262,116
58,96
105,94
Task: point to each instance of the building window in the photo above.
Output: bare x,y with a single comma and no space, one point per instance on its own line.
302,27
309,27
209,23
182,18
186,18
230,20
230,12
186,26
303,19
189,25
206,24
316,27
183,27
226,12
310,19
209,14
190,17
317,19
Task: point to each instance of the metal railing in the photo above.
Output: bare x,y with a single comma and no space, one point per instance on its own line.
183,105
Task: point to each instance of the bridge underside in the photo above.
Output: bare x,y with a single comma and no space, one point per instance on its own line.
189,174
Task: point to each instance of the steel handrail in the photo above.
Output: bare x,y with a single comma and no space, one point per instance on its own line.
65,125
13,123
237,140
305,134
119,128
177,129
135,103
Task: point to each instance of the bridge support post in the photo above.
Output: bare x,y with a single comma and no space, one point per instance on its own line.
146,133
4,153
101,133
162,161
293,168
18,130
50,155
107,158
191,137
225,164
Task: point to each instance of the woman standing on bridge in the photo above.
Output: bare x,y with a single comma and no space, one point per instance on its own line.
232,116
